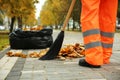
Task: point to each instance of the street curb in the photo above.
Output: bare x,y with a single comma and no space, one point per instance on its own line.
4,51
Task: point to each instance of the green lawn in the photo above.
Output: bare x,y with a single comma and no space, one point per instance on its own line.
4,41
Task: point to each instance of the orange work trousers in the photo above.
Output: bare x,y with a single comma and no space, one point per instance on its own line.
98,19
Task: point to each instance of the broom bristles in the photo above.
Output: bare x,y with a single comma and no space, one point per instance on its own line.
55,48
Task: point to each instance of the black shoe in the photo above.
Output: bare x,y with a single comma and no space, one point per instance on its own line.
82,62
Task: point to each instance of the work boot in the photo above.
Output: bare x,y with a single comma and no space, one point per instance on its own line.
82,62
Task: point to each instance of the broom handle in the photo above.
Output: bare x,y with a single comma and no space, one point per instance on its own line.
68,15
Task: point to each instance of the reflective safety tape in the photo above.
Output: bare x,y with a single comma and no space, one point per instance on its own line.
105,45
93,44
91,32
97,44
97,31
107,34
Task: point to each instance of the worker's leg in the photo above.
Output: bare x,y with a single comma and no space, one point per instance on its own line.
91,32
108,11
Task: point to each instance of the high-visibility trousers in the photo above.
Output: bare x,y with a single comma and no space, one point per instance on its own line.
98,19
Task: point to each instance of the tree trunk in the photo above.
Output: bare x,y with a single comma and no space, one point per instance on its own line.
12,23
56,26
68,27
73,26
19,22
79,27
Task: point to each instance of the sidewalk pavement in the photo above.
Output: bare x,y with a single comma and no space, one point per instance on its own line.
15,68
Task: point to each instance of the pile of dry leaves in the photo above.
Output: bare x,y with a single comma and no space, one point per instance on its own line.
67,52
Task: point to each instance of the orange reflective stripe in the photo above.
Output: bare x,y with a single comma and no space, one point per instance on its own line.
107,34
93,44
98,43
92,38
107,45
91,32
107,39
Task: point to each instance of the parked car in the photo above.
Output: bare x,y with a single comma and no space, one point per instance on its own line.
2,27
118,26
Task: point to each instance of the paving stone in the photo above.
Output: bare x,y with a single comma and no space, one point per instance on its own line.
12,74
27,75
12,78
